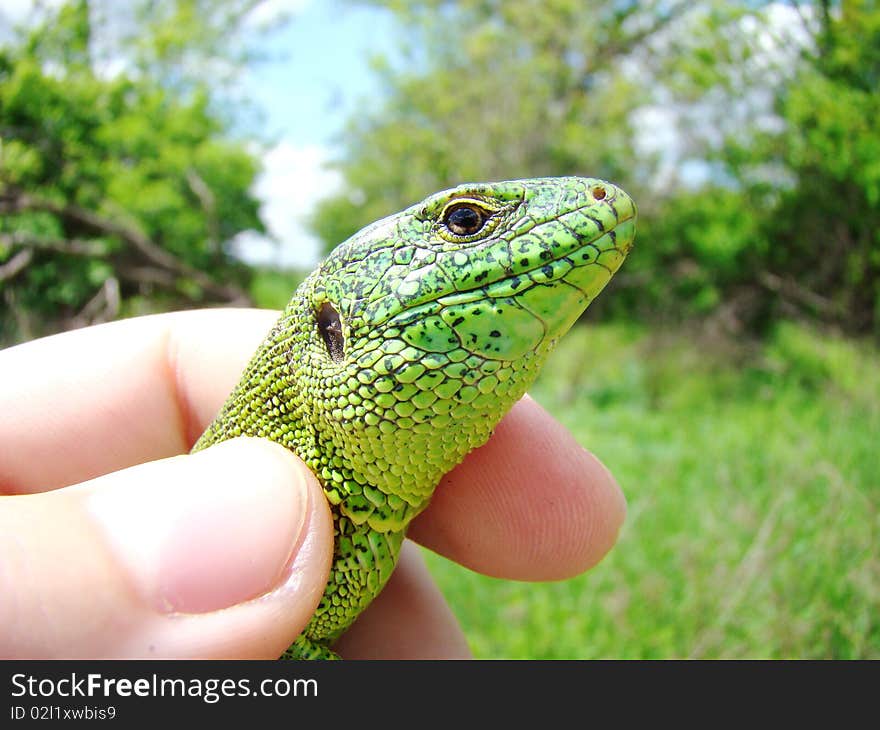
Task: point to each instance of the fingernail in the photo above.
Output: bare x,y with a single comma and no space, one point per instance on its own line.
207,531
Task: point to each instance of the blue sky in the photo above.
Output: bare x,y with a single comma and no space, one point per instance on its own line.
322,68
319,75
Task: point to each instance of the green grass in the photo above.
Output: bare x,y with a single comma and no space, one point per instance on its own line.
752,473
271,288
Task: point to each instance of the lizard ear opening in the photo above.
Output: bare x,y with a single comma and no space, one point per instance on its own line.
330,327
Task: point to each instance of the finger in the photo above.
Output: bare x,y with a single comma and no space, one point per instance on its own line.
531,504
88,402
408,620
223,553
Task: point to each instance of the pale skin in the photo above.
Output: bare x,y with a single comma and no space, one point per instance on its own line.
115,543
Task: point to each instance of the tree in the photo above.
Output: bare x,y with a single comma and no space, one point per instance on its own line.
824,227
498,90
763,200
789,223
118,189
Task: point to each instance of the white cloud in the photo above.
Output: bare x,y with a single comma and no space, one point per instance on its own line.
14,11
675,132
17,10
19,13
293,180
269,12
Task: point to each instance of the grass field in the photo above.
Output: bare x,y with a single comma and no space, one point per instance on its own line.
752,473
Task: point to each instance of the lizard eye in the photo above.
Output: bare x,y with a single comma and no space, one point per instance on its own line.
330,327
465,219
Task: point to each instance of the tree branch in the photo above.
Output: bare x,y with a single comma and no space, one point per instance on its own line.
19,202
16,264
209,204
796,293
623,46
13,201
74,246
102,307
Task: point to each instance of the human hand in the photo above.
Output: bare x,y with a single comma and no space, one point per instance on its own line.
114,544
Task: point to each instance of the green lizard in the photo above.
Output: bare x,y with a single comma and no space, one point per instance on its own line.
401,352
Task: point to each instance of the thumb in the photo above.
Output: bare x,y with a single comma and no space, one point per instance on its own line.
222,553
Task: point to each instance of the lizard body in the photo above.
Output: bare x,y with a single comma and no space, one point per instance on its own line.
400,353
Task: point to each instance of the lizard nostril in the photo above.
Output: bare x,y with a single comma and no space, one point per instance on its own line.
598,192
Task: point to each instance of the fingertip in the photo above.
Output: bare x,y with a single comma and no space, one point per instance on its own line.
588,524
206,531
224,553
531,504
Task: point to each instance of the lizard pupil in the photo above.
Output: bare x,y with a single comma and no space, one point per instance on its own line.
330,327
465,220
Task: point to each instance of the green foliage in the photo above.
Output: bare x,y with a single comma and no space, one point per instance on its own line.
692,255
753,503
270,288
117,191
802,174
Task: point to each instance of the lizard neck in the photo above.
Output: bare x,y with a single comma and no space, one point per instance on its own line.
378,436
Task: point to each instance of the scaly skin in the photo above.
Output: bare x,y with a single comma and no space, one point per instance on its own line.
402,350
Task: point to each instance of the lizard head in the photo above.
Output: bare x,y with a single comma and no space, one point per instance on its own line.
426,327
498,271
404,348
